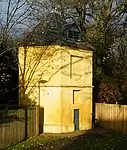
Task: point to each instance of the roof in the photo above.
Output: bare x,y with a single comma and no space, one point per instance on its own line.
50,32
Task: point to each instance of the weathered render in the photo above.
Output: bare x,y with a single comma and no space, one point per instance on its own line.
58,79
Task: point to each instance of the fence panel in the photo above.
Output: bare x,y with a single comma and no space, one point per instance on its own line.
31,126
16,126
112,116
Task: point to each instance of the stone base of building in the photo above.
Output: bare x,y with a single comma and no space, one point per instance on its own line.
86,126
51,128
67,128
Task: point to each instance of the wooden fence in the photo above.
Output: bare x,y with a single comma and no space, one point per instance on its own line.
17,125
112,116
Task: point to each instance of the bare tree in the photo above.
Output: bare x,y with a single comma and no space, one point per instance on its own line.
36,64
96,20
15,17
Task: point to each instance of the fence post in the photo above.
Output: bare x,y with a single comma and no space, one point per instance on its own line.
37,119
26,123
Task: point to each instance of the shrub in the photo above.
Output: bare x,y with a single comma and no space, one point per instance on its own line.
109,93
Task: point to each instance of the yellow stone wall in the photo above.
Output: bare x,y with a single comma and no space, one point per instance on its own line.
41,63
50,99
82,82
84,106
84,75
56,95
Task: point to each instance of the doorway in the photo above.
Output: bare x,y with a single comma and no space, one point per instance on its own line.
76,119
41,119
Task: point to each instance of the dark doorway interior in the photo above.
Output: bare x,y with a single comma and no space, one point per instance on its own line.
41,120
76,119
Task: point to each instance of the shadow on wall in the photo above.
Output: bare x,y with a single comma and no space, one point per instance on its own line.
30,79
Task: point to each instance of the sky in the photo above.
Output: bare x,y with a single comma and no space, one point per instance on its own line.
3,14
17,29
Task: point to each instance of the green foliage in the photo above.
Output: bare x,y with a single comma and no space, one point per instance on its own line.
100,76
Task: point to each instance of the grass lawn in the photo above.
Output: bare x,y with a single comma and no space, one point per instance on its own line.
96,139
